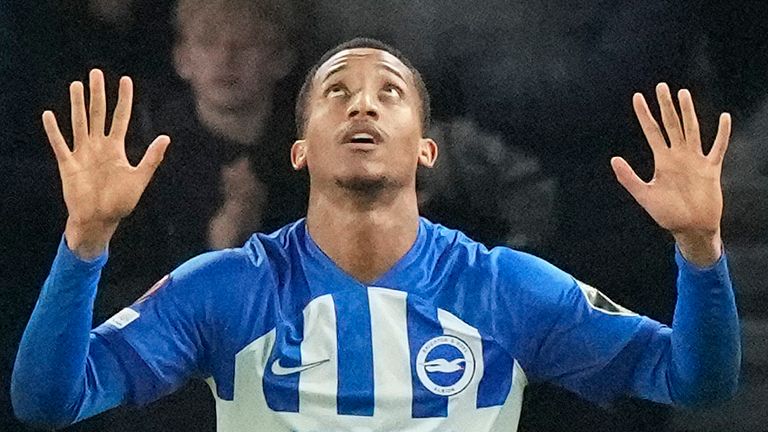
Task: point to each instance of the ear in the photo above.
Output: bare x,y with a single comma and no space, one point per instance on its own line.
181,60
299,154
427,152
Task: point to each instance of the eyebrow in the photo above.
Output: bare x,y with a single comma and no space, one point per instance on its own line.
343,66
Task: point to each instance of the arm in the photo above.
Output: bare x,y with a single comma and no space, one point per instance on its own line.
685,197
577,338
601,355
704,355
62,372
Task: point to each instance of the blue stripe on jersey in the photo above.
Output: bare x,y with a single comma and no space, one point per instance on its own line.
282,391
423,325
355,354
496,382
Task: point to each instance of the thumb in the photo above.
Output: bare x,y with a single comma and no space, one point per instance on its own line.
153,157
628,178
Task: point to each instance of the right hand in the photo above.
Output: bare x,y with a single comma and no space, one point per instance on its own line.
100,185
242,210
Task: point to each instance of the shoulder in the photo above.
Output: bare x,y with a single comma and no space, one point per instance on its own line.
503,263
223,286
526,270
514,277
528,283
256,262
445,241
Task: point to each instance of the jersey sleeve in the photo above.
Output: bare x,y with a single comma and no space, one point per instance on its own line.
574,336
63,373
172,327
66,372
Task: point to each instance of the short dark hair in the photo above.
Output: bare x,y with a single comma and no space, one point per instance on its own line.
302,100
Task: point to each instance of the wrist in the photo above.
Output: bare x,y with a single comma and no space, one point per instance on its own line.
700,249
88,240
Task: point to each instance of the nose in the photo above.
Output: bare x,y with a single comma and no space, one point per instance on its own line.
364,105
229,54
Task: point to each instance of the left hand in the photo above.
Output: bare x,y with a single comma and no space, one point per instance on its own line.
684,196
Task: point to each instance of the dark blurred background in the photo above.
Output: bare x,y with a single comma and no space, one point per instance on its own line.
530,100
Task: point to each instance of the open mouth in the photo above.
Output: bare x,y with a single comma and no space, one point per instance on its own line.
227,81
362,135
362,138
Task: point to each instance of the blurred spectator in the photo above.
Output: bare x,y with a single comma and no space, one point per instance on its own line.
227,172
745,175
114,34
58,41
495,193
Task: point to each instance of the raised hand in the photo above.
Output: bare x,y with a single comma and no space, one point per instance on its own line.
684,196
100,185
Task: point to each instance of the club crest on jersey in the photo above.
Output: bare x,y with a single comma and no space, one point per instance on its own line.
445,365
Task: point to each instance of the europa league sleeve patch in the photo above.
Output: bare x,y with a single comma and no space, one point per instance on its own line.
159,284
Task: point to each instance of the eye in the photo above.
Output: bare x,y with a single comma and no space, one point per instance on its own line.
392,90
336,90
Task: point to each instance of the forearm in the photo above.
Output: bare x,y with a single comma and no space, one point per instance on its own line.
706,347
52,371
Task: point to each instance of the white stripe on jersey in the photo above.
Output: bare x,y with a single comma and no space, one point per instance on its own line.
389,334
317,386
465,403
249,412
233,415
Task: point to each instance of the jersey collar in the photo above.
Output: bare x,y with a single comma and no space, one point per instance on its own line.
325,276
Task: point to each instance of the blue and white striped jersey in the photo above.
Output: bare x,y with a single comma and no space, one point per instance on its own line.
446,340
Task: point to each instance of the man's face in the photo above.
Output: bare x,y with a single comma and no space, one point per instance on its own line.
363,123
231,60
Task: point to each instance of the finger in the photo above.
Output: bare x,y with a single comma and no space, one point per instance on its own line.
79,118
122,115
58,144
669,116
98,104
650,128
690,120
721,140
629,179
153,157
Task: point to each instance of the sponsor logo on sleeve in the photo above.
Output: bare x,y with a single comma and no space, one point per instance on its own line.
601,302
159,284
123,318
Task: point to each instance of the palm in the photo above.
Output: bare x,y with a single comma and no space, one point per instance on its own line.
684,195
99,183
100,189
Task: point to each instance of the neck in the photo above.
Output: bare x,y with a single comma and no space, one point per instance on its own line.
365,237
243,126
